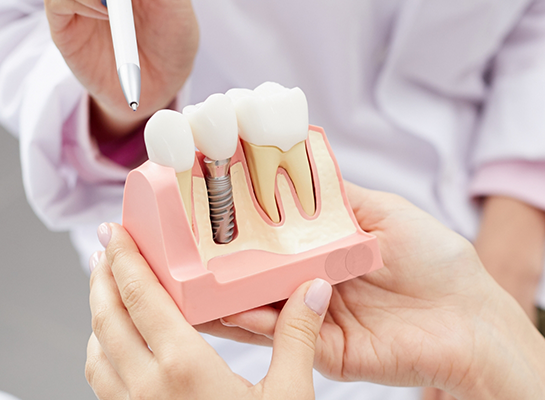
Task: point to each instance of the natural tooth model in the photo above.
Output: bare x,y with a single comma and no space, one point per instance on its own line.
169,142
273,123
214,126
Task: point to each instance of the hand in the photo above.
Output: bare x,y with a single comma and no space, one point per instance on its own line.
430,317
436,394
167,36
131,310
510,245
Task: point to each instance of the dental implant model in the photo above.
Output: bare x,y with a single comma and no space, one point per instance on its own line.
215,130
273,123
169,142
293,221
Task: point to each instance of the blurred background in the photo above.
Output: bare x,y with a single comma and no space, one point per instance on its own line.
44,311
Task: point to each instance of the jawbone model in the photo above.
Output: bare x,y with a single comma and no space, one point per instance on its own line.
293,220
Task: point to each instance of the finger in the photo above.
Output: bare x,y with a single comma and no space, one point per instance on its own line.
295,336
260,321
84,8
446,396
121,342
218,328
100,374
151,308
96,5
431,393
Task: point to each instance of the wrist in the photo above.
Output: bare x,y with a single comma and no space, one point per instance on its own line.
508,354
511,232
510,245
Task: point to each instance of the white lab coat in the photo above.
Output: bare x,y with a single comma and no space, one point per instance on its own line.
451,87
6,396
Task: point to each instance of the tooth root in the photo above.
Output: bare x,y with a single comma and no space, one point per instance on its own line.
184,184
263,162
296,164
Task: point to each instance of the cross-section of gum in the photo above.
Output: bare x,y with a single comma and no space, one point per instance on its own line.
265,262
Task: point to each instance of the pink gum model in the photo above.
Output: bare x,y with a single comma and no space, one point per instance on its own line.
154,216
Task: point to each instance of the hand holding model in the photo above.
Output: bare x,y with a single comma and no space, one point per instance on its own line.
131,310
167,36
432,316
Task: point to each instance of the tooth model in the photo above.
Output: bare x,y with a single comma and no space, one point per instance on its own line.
169,142
273,123
293,219
214,126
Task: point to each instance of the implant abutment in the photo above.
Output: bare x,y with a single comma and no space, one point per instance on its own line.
220,199
217,168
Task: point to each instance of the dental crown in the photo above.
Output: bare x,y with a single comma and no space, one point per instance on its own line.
169,140
271,115
214,126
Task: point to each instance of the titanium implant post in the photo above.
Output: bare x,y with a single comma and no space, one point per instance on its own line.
220,199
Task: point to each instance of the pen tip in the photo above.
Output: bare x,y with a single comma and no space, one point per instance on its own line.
134,106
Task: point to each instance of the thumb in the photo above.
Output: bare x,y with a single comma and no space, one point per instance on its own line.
295,336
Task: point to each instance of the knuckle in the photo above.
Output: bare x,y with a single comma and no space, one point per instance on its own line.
175,368
96,276
93,364
90,369
93,279
302,330
101,321
118,255
140,392
132,294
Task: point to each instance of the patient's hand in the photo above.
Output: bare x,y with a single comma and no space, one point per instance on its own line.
131,311
430,317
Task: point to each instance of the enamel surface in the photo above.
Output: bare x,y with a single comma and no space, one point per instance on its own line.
214,126
271,115
169,140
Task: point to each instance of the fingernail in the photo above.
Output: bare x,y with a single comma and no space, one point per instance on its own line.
104,3
104,234
318,296
93,261
227,324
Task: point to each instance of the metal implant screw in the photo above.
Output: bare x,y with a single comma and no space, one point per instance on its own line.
220,199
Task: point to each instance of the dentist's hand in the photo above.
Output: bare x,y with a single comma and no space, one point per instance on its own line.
131,310
167,35
431,317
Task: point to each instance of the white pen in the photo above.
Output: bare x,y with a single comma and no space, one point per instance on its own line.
125,49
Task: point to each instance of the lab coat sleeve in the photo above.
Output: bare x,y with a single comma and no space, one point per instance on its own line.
522,180
66,180
509,156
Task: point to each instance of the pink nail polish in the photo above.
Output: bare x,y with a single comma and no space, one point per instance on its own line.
104,234
93,261
318,296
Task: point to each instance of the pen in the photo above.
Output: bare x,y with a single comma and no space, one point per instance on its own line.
125,49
